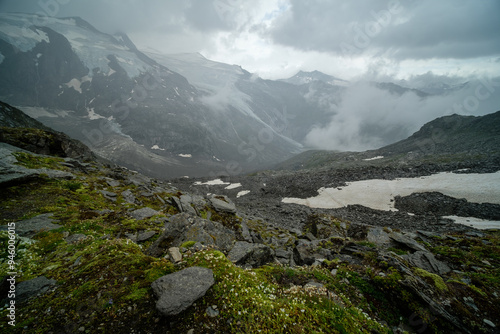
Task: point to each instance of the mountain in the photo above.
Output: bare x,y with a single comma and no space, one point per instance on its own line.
453,138
132,110
302,78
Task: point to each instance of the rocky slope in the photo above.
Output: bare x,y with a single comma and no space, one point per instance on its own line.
100,248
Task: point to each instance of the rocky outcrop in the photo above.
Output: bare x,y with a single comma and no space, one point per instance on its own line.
33,287
185,227
178,291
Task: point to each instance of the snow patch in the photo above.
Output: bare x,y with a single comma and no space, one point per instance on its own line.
156,147
93,115
242,193
233,186
75,84
185,155
480,224
379,194
216,182
374,158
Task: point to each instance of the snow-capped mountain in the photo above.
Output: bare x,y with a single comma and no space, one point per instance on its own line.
136,111
303,78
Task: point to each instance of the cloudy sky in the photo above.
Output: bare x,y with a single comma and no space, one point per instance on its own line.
276,38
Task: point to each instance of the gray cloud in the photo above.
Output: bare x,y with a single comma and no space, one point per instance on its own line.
403,30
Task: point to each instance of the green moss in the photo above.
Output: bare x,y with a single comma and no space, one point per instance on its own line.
34,162
188,244
436,279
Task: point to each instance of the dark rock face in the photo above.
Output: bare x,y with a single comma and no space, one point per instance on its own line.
427,261
32,226
178,291
438,204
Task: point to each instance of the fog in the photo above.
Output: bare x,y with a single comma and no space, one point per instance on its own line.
369,117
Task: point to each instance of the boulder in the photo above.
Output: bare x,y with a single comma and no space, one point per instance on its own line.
175,254
222,203
178,291
248,254
140,237
185,227
187,204
75,238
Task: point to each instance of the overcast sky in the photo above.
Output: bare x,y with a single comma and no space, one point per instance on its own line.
277,38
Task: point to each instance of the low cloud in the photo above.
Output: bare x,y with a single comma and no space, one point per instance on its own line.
369,117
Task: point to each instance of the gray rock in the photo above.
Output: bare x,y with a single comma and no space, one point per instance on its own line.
175,254
245,232
33,287
253,255
128,196
143,213
185,227
109,195
306,252
489,323
378,236
140,237
178,291
212,312
32,226
75,238
427,261
222,204
406,241
186,204
112,183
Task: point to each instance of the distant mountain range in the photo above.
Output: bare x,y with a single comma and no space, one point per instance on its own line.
164,115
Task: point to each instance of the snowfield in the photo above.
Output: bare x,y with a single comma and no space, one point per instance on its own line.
379,194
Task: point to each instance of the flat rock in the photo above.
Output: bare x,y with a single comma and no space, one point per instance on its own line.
175,254
143,213
178,291
427,261
33,287
406,241
32,226
75,238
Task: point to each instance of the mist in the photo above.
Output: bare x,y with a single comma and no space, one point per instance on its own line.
368,117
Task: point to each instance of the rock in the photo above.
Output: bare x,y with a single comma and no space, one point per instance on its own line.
178,291
33,287
140,237
406,241
222,204
75,238
307,252
245,232
143,213
253,255
428,262
314,287
128,196
185,227
187,204
212,312
109,195
334,272
175,254
378,236
489,323
32,226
